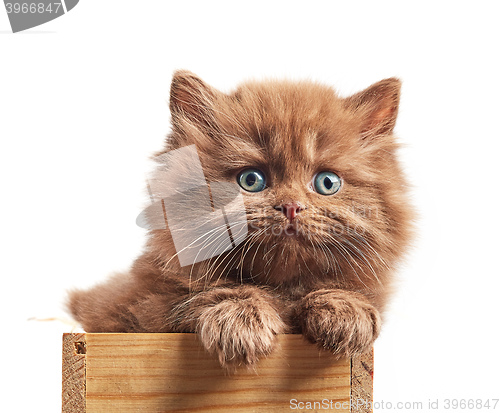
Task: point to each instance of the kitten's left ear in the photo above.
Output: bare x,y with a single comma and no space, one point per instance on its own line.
190,97
377,106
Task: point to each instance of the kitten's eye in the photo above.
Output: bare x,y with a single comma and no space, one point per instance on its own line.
252,180
327,183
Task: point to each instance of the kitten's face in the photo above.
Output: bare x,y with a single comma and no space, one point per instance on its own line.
321,185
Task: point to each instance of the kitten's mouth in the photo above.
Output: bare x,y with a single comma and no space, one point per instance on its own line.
291,230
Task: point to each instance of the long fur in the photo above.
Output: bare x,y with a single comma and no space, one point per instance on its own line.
332,281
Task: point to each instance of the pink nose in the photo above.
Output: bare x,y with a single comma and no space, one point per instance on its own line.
290,209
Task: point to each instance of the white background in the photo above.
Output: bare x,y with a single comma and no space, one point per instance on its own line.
83,103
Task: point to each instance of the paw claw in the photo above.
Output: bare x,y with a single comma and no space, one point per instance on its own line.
238,332
341,322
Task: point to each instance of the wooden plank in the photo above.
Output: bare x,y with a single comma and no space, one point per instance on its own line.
73,373
172,373
362,383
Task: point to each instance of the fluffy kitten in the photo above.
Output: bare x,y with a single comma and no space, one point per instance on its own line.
328,221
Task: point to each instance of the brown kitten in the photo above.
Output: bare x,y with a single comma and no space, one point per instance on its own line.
325,230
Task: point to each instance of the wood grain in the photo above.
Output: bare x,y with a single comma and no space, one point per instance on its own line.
362,383
172,373
73,373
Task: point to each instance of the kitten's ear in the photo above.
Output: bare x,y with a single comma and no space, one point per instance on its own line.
377,106
191,97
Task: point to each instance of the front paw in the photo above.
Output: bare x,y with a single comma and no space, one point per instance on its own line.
340,321
239,332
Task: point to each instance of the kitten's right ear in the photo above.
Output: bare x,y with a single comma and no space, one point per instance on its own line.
377,107
190,97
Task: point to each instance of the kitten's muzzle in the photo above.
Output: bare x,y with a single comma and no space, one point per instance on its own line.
290,209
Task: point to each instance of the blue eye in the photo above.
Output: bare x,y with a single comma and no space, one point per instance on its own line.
252,180
327,183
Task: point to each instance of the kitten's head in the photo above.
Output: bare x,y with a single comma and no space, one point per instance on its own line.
324,195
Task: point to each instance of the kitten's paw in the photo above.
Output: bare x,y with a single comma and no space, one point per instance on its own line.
239,331
340,321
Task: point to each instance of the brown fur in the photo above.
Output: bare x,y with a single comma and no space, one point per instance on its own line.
332,281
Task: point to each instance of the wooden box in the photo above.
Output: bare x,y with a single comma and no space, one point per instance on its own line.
172,373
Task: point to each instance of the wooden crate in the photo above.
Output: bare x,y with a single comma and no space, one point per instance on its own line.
172,373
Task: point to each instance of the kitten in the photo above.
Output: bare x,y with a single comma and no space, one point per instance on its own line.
327,216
